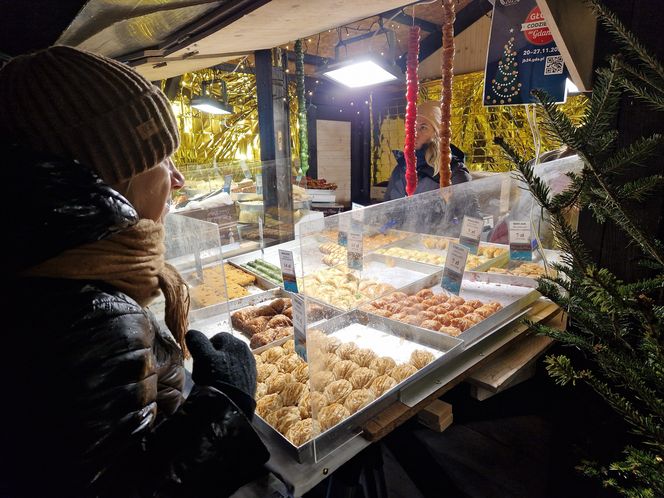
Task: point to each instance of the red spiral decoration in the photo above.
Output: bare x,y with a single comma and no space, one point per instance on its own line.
411,108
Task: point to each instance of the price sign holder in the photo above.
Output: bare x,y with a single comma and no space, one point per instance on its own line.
521,246
344,228
245,170
354,250
471,231
299,325
455,265
288,270
259,184
228,180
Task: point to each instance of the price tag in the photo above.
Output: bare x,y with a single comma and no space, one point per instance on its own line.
355,206
354,250
300,326
455,263
245,169
521,248
288,270
488,221
471,230
344,228
259,184
228,180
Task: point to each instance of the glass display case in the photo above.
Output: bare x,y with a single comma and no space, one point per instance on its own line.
383,299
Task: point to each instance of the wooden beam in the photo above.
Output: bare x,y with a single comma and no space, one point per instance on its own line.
573,26
398,16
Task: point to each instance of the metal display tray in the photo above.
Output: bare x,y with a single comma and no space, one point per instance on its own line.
330,440
551,256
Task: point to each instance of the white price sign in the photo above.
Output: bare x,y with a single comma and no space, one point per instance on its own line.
354,250
520,238
455,263
288,270
471,231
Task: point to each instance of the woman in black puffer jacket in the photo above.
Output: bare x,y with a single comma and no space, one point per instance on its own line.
93,385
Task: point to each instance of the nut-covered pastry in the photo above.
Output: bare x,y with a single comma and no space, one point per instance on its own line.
462,323
264,310
344,368
292,393
321,379
258,359
279,321
420,358
363,357
288,362
302,431
277,382
273,354
284,418
268,404
402,372
265,371
301,373
289,346
311,403
331,415
345,350
383,365
430,324
281,332
381,384
453,331
358,399
256,325
261,339
261,390
362,377
279,305
474,317
337,391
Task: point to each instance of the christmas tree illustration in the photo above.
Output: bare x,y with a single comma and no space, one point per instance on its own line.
504,86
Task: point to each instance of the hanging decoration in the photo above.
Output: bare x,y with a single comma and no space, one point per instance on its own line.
301,107
446,97
411,108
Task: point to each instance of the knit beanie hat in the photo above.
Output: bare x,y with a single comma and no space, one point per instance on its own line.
430,111
82,106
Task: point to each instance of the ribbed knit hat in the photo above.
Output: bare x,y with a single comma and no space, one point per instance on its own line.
430,111
83,106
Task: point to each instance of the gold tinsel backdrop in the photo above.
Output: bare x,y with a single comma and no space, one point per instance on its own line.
473,126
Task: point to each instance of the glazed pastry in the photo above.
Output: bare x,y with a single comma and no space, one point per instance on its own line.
277,382
279,305
462,323
430,324
453,331
331,415
302,431
344,368
265,310
256,325
288,312
420,358
240,318
273,354
455,313
456,300
362,377
426,315
311,403
475,303
265,371
381,384
258,359
382,365
279,321
260,340
301,372
289,346
363,357
484,311
402,372
425,293
261,390
337,391
320,380
282,332
346,349
284,418
412,320
292,393
379,312
466,309
444,320
288,362
268,404
358,399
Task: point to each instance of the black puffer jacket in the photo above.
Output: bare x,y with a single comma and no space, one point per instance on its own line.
92,384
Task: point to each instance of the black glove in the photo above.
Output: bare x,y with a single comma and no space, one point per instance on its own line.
222,362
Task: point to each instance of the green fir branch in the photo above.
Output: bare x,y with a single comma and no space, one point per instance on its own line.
634,154
557,123
649,97
641,188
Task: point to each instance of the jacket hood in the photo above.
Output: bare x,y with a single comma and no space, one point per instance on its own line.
58,204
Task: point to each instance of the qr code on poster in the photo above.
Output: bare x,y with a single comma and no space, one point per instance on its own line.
554,65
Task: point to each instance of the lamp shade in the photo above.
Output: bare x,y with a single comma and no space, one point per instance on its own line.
362,72
210,105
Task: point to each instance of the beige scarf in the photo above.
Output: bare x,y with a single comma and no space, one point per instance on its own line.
133,262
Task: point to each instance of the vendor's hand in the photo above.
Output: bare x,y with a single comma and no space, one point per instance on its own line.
223,359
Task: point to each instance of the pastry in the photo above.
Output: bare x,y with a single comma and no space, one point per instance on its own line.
443,320
289,346
265,371
280,304
331,415
453,331
337,391
311,403
302,431
256,325
402,371
474,317
331,344
430,324
456,300
362,377
260,340
292,393
328,360
475,303
281,333
288,362
363,357
425,293
462,323
382,365
301,372
284,418
265,310
258,359
485,311
358,399
279,321
420,358
288,312
261,390
268,404
346,349
381,384
277,382
273,354
239,318
466,309
344,368
321,379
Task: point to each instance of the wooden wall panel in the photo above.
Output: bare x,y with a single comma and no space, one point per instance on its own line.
333,150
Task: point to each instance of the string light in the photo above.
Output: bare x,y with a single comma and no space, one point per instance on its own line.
366,102
352,103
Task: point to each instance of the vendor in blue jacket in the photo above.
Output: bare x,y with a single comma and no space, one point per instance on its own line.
427,154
